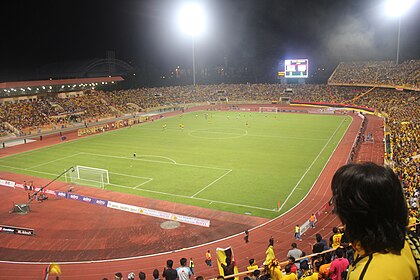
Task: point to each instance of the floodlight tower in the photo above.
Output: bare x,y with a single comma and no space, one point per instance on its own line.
397,8
192,21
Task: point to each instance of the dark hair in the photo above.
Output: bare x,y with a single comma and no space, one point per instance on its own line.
335,229
183,261
294,245
370,202
251,261
220,277
256,272
199,278
318,237
288,268
119,275
304,265
339,252
170,263
271,241
292,259
155,273
142,275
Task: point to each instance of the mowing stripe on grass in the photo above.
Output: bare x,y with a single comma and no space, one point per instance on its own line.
310,166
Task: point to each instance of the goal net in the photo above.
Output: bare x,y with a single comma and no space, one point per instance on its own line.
268,110
85,175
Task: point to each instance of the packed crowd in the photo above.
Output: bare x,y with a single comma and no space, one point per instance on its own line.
378,73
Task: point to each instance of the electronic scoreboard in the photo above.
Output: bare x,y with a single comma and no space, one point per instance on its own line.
296,68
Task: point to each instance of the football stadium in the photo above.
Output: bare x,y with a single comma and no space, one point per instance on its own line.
106,173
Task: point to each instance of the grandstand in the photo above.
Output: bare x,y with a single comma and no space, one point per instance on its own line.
387,96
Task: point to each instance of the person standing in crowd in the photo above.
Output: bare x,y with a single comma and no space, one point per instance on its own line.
208,258
289,274
252,266
369,201
275,270
168,272
228,268
295,252
338,265
269,253
335,239
184,272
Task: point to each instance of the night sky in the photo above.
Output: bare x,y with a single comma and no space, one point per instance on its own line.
37,33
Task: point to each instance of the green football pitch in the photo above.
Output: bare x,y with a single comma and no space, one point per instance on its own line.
230,161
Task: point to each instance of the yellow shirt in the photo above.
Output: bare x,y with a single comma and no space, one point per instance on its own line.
269,255
275,273
290,276
411,221
336,240
385,266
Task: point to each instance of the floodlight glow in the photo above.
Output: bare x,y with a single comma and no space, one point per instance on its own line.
397,8
192,19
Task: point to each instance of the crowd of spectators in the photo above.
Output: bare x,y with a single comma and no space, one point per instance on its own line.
385,73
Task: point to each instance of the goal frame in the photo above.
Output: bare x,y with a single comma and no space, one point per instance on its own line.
270,109
103,175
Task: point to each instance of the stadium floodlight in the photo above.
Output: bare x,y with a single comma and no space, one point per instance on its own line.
191,20
396,8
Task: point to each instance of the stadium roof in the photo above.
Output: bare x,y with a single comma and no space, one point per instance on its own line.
9,89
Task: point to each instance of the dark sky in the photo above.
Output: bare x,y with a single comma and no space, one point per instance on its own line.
36,33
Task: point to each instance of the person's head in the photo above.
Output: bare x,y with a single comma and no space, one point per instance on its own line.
288,268
370,202
228,260
292,259
304,265
155,273
339,252
294,245
183,261
256,273
220,277
169,263
131,276
271,241
318,237
199,278
118,276
251,261
142,275
335,230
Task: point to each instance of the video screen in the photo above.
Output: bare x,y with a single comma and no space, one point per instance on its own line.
296,68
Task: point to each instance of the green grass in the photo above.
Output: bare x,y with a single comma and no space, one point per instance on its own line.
236,162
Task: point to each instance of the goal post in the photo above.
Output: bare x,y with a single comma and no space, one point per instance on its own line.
91,176
268,110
